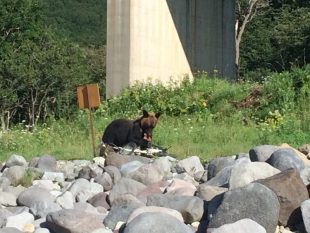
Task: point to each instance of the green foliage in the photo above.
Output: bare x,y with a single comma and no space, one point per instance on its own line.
26,180
39,72
83,22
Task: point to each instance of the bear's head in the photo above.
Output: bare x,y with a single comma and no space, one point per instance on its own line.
148,122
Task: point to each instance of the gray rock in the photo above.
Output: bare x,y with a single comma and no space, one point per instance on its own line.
14,174
43,208
17,209
305,175
105,180
114,172
102,230
47,163
99,199
127,199
7,199
130,167
73,221
67,168
286,158
117,160
222,178
54,176
191,208
181,187
42,230
191,165
165,165
147,174
218,164
208,192
305,210
254,201
262,153
243,174
10,230
244,225
32,195
156,223
4,182
125,186
86,173
78,186
20,220
65,200
155,209
120,213
4,214
16,160
15,190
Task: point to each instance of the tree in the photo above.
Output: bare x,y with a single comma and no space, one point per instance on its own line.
246,11
39,72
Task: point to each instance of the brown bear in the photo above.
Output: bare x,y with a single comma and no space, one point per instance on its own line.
122,131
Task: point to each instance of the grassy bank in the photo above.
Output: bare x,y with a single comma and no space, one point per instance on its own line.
208,118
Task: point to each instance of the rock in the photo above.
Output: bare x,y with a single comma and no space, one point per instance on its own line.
73,221
117,160
254,201
156,188
284,159
155,209
15,190
180,187
53,176
100,161
20,220
67,168
86,173
305,210
41,230
191,208
7,199
114,172
10,230
105,180
44,184
119,213
4,182
129,167
191,165
16,160
79,185
243,174
47,163
222,178
301,155
65,200
146,174
4,214
43,208
262,153
102,230
242,226
14,174
125,186
305,149
99,199
156,223
84,195
305,175
208,192
32,195
127,199
165,165
218,164
28,228
291,192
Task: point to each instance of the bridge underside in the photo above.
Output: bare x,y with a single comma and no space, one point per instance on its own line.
166,40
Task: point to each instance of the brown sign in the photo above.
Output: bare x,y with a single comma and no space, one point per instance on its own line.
88,96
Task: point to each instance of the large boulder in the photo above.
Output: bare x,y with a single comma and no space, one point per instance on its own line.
218,164
16,160
291,192
254,201
156,223
286,158
34,195
191,208
262,153
47,163
243,174
73,221
191,165
242,226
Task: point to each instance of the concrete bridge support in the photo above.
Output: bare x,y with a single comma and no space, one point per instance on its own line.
164,40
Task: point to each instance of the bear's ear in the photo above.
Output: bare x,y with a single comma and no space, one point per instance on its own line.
145,113
157,115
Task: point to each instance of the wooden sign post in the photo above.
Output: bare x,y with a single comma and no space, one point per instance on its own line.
88,97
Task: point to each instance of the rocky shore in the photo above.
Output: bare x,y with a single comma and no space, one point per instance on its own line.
265,190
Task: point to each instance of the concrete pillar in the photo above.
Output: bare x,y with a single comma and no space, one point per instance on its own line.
164,40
